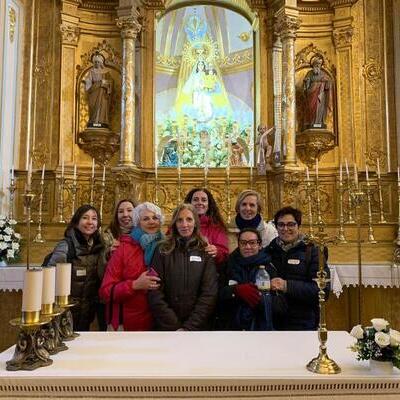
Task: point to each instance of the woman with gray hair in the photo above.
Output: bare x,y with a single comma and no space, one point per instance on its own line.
248,209
129,275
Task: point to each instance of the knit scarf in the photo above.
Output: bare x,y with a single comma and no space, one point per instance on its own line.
247,223
148,242
287,246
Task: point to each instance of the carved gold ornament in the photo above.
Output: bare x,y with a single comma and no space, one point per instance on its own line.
69,33
244,36
343,37
372,71
12,16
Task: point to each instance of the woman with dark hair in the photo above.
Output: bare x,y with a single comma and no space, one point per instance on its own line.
121,224
188,278
212,226
129,275
297,264
83,247
241,304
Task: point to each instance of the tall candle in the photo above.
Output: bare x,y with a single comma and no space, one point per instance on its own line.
49,285
340,173
378,168
92,167
63,279
32,293
29,175
74,172
366,172
43,169
104,173
355,175
347,168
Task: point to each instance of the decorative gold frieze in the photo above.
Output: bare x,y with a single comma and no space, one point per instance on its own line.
99,5
69,33
341,3
343,37
165,61
237,58
110,55
12,18
372,71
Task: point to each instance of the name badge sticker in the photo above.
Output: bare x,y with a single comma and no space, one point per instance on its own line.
293,261
81,272
195,258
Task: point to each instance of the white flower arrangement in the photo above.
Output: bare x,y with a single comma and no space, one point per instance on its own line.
9,239
377,342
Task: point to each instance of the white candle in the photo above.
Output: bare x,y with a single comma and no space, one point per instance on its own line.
63,279
398,175
340,173
378,168
307,174
49,285
104,173
74,172
29,175
366,172
43,169
12,172
347,168
32,293
355,175
92,167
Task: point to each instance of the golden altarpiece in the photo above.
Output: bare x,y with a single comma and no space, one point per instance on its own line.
350,41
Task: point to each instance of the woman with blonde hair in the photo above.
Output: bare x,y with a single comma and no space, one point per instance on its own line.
187,294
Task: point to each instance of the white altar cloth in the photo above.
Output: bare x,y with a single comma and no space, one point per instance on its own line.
197,364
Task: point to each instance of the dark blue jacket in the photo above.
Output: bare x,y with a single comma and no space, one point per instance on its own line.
302,290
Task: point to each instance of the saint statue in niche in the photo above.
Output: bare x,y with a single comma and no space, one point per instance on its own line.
317,87
264,149
99,86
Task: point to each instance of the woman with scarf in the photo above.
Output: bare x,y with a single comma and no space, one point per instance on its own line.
241,304
297,264
248,209
121,224
83,247
212,226
188,287
129,275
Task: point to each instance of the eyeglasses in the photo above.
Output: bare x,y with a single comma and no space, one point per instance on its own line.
289,225
251,243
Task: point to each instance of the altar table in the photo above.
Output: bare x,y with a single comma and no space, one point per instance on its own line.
268,365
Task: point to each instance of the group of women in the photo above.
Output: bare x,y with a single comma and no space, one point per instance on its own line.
134,277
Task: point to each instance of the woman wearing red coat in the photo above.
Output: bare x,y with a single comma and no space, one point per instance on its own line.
129,277
212,226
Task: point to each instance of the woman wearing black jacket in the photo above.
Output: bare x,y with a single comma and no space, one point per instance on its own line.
297,265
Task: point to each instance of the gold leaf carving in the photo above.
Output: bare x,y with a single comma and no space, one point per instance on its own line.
372,71
12,16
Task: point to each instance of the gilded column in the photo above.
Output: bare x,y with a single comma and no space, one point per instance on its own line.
286,27
130,28
69,29
342,39
277,74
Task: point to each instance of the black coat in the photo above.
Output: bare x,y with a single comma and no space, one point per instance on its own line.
302,290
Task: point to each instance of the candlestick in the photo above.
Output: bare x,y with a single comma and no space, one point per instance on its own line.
29,175
378,168
307,174
341,235
309,200
93,166
104,173
74,172
60,204
381,213
12,172
11,189
316,167
103,189
39,238
366,173
371,237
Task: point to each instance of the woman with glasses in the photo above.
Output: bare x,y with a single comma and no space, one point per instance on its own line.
242,306
297,266
248,209
129,276
188,277
212,226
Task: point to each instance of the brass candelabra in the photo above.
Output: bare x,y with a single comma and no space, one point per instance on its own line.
341,235
61,183
39,237
12,189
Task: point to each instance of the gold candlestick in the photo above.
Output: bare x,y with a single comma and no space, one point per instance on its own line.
28,197
11,189
92,183
61,183
103,189
39,238
382,219
51,331
322,364
371,237
74,192
350,199
309,200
